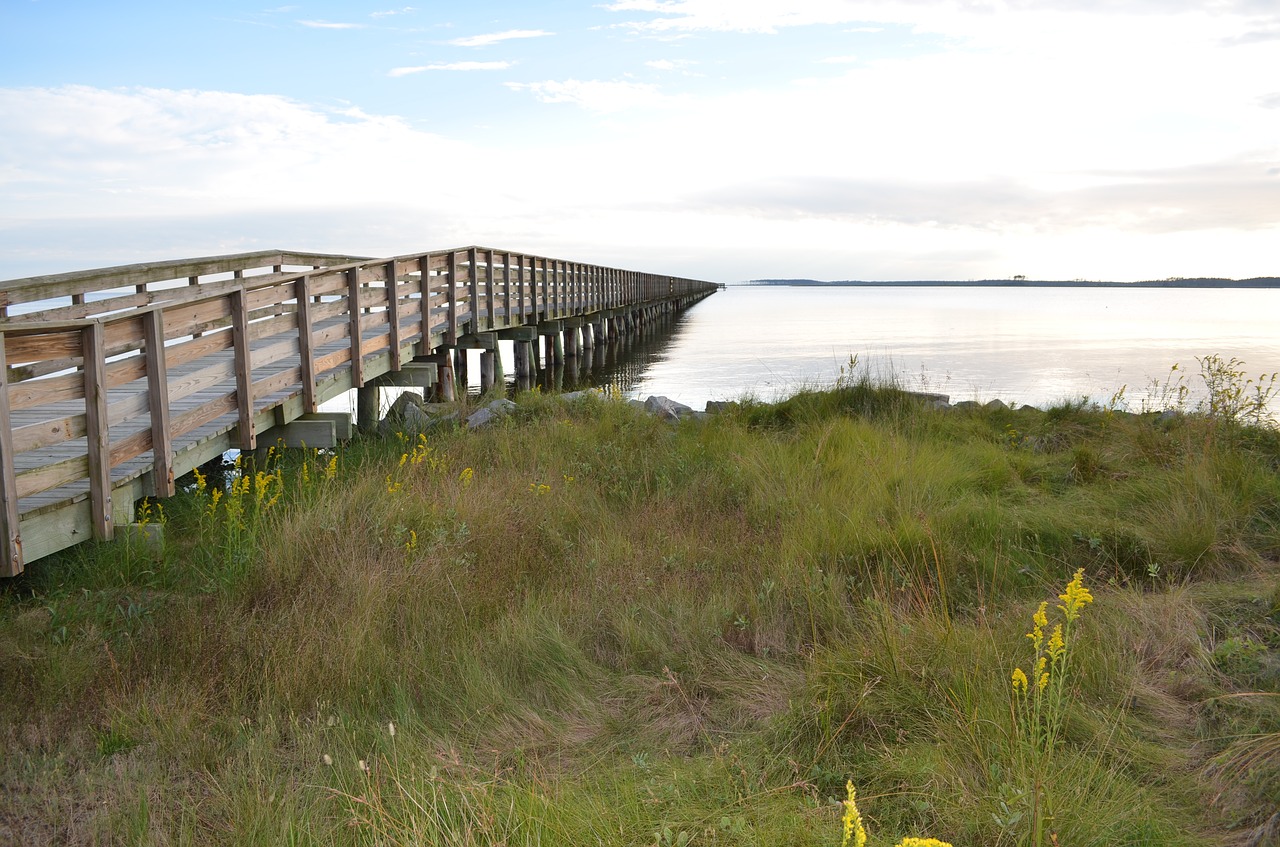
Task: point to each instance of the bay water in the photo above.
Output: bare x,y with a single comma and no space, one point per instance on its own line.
1037,346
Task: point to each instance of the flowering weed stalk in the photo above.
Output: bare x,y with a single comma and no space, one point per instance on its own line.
855,833
1039,702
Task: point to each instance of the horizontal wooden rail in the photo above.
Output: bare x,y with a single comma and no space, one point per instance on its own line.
114,382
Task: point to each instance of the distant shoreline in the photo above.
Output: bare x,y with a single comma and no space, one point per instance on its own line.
1198,282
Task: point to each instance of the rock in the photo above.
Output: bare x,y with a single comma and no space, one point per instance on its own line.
967,405
996,406
574,396
940,405
1026,408
715,407
404,401
490,412
666,408
930,398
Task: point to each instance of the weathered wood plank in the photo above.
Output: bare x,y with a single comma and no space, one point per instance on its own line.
353,310
393,314
46,433
11,563
203,414
306,348
451,278
158,401
244,367
98,434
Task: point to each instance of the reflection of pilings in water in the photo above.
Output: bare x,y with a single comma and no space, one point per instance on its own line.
621,362
612,350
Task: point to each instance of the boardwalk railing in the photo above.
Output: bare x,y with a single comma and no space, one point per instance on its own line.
118,381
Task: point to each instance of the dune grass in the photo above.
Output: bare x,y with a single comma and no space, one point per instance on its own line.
586,626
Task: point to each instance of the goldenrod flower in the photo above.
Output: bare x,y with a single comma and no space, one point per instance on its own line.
1076,596
1041,620
1043,682
466,476
1019,681
923,842
1057,644
853,829
331,469
201,482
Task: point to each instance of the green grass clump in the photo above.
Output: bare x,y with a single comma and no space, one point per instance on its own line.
586,626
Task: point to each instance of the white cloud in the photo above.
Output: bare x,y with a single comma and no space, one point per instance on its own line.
330,25
451,66
78,151
388,13
496,37
594,95
670,64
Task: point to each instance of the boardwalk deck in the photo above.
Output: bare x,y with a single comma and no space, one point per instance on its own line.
120,380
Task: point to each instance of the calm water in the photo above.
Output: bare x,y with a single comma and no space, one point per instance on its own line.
1021,345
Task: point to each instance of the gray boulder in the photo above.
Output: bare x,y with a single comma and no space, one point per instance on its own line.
490,412
666,408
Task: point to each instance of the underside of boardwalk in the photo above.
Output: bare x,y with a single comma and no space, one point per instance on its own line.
118,381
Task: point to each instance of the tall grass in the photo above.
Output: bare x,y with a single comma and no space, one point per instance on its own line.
589,626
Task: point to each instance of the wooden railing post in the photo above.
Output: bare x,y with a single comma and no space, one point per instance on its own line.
424,306
93,347
506,288
10,536
393,314
450,277
158,402
306,344
243,367
489,282
473,292
353,327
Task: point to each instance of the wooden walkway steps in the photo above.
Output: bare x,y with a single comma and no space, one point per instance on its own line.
115,382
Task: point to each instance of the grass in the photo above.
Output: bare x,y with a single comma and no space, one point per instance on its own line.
586,626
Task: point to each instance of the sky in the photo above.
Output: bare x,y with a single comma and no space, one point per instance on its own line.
716,139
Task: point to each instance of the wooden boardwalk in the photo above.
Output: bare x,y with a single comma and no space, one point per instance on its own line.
115,382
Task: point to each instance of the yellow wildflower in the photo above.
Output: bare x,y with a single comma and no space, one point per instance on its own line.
1076,596
853,829
1057,644
466,476
331,469
1019,681
923,842
1043,682
1041,620
201,482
